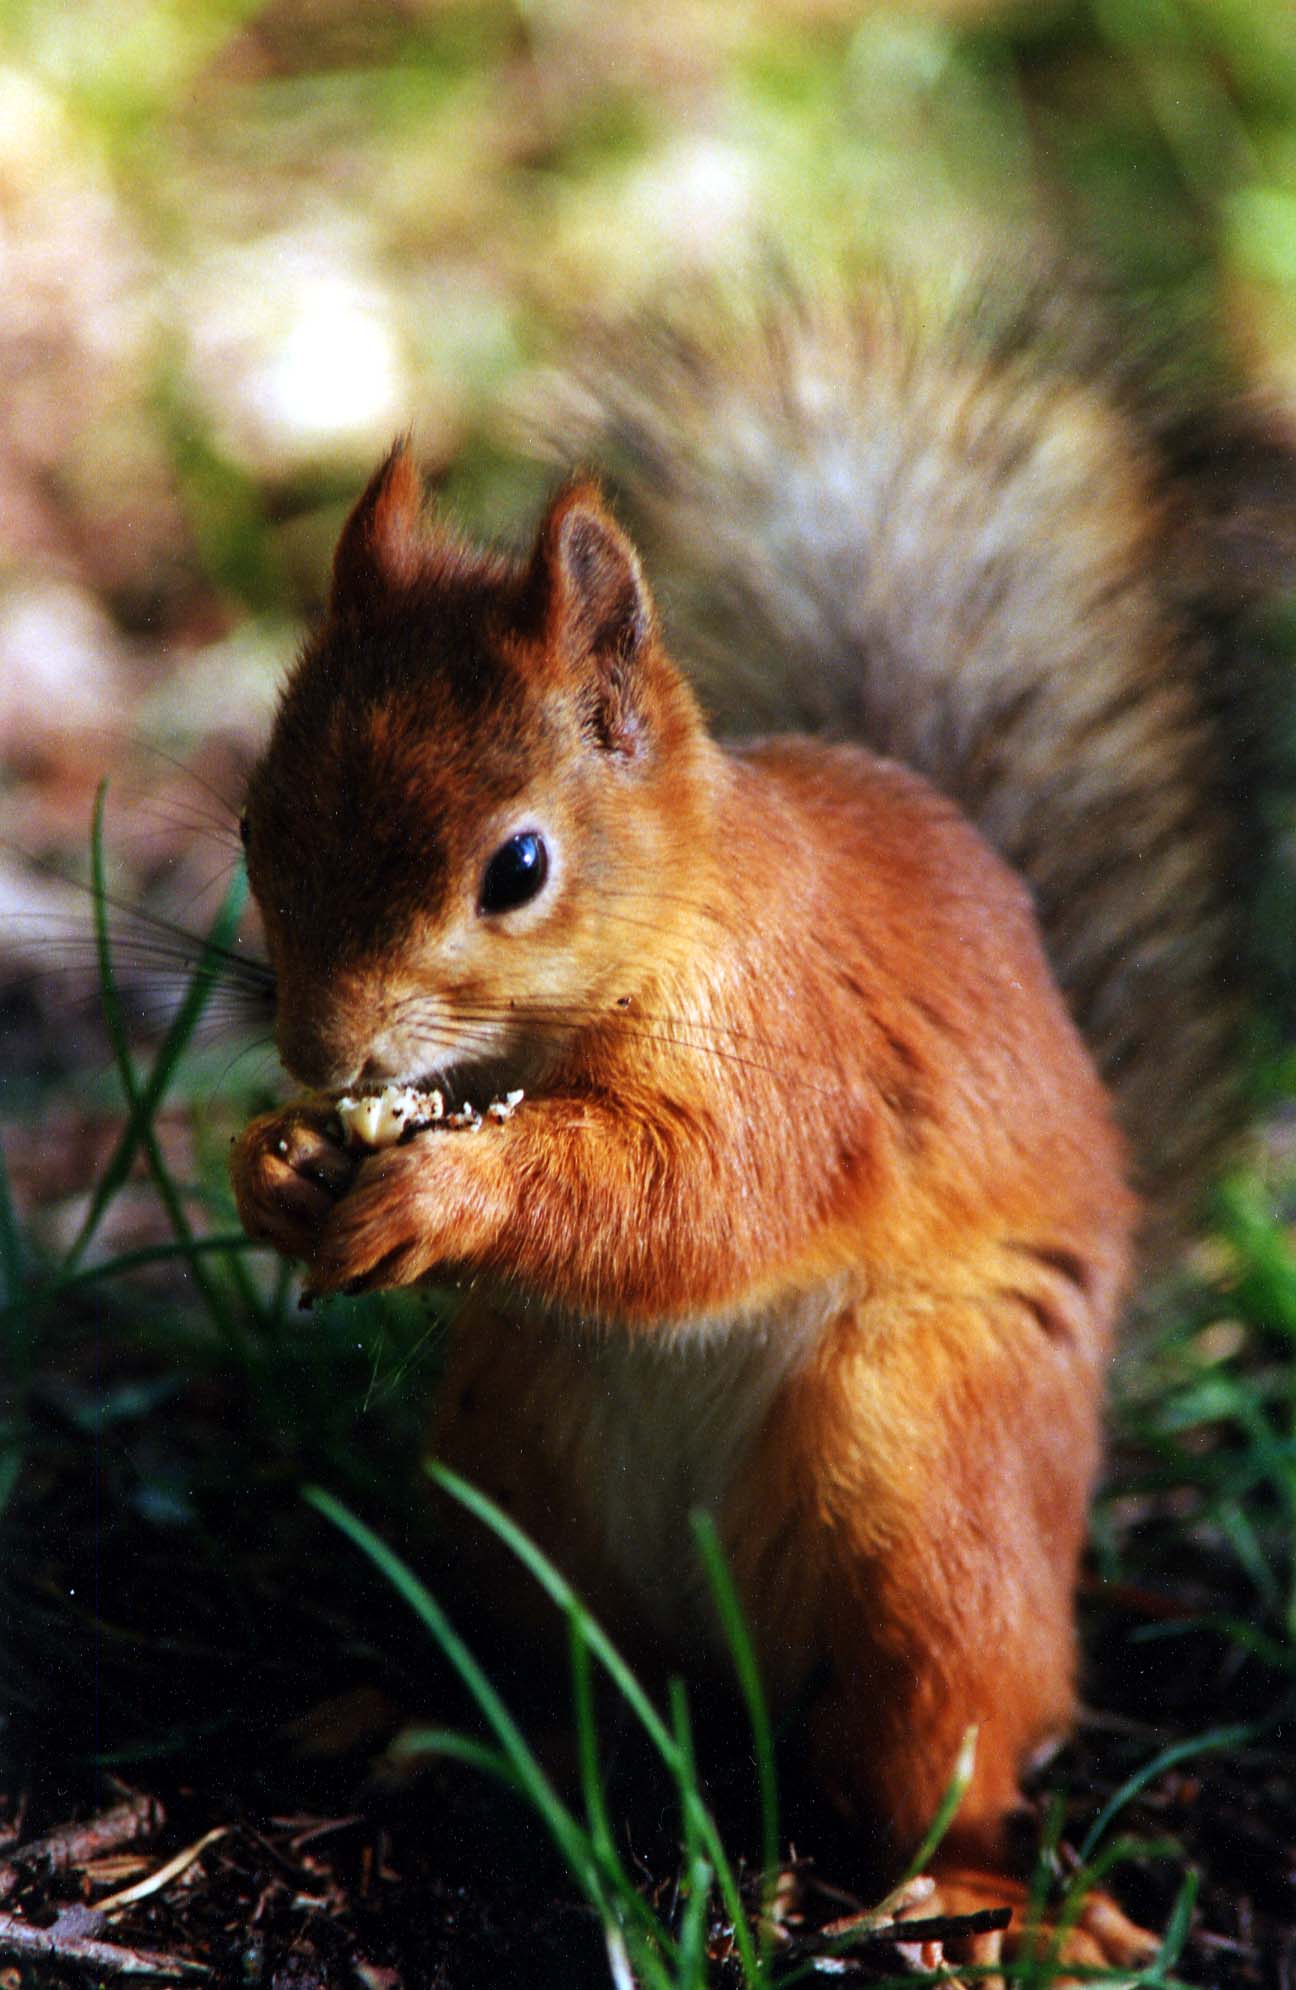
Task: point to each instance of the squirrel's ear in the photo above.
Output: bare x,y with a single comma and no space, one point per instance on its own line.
597,612
379,547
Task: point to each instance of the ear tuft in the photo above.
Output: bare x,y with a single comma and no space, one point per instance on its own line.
379,546
598,612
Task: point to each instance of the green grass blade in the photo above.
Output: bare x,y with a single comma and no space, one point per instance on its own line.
682,1728
226,1243
558,1588
1273,1652
1036,1967
109,996
698,1875
964,1764
618,1960
1177,1927
143,1100
561,1592
1049,1966
591,1857
743,1652
420,1741
1266,1288
650,1939
1236,1736
600,1827
573,1843
1235,1524
639,1965
693,1970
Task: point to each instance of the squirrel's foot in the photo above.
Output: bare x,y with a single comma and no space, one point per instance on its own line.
288,1169
1100,1937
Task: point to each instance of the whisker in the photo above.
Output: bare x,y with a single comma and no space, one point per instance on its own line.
186,816
163,998
576,1014
67,956
263,1046
156,921
53,934
134,742
190,946
449,1040
637,925
657,895
217,877
701,908
766,1067
402,1369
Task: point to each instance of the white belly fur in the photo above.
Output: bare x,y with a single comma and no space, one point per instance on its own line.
672,1420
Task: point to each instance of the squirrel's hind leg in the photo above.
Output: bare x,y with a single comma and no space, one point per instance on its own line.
939,1469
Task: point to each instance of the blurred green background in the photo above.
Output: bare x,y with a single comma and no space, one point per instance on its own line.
243,244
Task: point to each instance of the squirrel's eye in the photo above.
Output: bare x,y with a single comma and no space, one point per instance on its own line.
515,873
243,829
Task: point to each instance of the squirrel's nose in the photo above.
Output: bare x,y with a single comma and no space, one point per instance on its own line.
317,1052
327,1067
332,1032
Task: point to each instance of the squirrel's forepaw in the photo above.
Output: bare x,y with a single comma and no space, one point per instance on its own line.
288,1169
380,1234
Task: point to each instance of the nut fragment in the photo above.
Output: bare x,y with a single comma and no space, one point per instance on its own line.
380,1119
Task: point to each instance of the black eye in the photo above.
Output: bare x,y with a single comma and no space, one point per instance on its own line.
515,873
243,829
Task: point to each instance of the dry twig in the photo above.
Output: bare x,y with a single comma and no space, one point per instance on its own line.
76,1844
70,1939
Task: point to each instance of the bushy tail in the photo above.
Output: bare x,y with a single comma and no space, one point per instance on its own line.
968,540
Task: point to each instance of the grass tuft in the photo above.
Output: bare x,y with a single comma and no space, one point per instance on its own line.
587,1848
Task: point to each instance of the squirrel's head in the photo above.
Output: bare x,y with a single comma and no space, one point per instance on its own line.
470,830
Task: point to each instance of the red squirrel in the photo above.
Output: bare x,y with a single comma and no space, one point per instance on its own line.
815,1211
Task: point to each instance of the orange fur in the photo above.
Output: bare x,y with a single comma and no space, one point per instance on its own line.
814,1212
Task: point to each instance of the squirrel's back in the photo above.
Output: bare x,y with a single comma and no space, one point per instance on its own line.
975,543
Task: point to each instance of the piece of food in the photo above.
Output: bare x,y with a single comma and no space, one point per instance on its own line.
380,1119
383,1119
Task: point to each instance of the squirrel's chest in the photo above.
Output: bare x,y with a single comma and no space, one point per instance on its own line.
671,1427
603,1446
